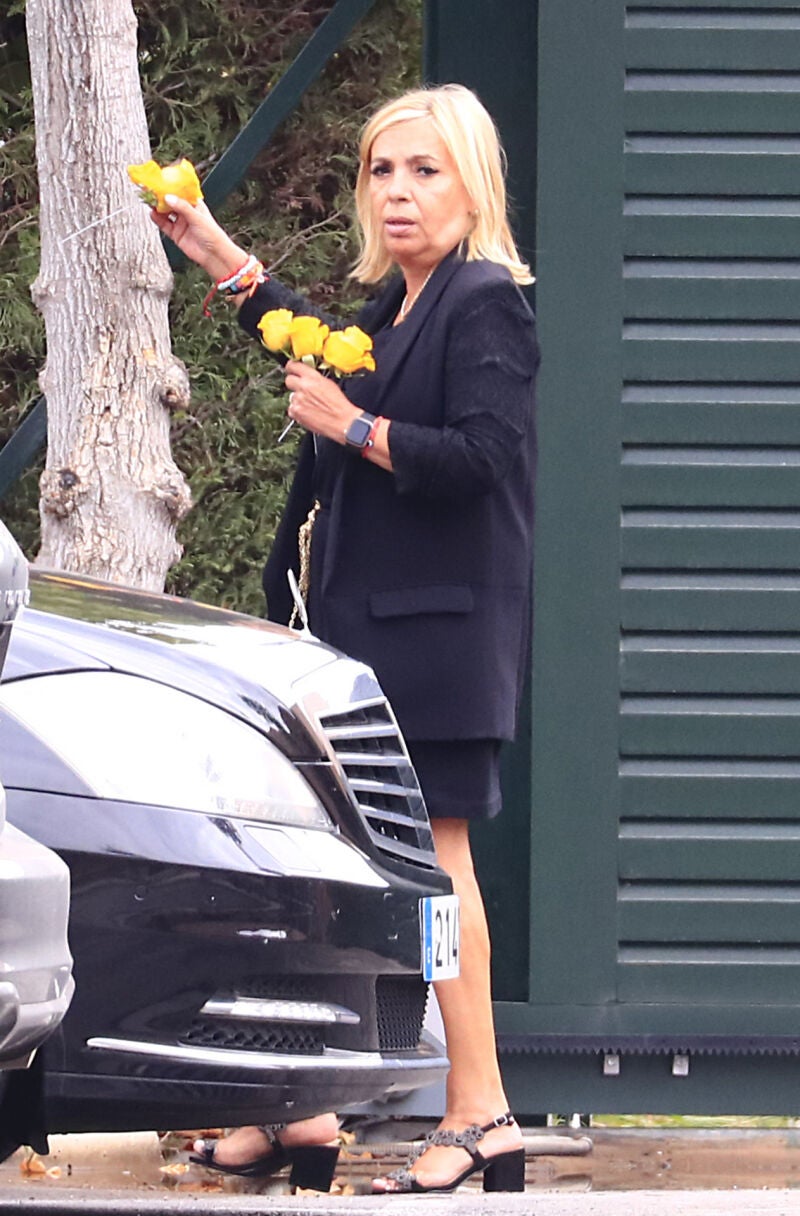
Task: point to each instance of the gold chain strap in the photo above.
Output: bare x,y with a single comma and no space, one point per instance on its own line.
304,548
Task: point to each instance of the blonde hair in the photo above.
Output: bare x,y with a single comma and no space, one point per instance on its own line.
471,138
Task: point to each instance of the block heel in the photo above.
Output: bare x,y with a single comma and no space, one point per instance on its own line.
505,1172
313,1167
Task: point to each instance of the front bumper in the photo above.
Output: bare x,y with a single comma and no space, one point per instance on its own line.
215,986
267,1090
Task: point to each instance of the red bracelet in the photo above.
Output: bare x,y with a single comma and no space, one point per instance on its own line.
246,279
373,431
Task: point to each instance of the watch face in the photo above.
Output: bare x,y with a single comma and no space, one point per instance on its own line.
358,431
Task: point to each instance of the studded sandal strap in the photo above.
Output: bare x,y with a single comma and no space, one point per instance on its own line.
403,1176
468,1139
270,1130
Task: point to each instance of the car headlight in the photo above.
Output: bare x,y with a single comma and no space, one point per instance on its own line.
132,740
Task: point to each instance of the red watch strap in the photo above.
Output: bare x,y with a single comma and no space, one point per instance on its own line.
373,430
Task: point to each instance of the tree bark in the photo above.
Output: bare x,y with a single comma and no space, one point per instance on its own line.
111,495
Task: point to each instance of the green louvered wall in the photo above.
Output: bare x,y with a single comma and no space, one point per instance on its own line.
709,856
663,894
709,853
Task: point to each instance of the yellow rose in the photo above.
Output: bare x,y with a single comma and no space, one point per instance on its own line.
275,328
154,182
180,178
148,175
307,336
347,351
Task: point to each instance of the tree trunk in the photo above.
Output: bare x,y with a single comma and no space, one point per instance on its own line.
111,495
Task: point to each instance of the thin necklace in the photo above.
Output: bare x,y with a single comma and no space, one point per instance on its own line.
407,305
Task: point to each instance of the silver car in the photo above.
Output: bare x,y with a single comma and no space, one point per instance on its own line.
35,962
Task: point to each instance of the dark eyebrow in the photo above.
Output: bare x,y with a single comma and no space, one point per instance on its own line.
412,160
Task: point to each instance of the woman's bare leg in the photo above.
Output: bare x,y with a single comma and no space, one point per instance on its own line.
475,1091
249,1143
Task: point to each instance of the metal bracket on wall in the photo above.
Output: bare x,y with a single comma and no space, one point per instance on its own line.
611,1064
680,1064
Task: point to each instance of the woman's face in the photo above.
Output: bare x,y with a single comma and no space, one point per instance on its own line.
418,199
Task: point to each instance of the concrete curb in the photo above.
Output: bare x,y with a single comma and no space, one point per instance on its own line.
639,1203
134,1156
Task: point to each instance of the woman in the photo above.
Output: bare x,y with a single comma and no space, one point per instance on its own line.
421,549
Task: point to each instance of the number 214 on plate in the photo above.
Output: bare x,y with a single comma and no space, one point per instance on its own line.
439,916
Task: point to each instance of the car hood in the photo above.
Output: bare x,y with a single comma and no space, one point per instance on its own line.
245,665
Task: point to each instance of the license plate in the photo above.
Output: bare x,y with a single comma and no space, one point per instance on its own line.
439,917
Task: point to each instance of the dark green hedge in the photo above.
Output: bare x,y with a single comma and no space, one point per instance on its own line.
205,67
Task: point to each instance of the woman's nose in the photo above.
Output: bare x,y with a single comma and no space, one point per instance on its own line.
398,186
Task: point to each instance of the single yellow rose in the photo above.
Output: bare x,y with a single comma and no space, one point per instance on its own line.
308,336
146,176
276,328
180,178
347,351
154,182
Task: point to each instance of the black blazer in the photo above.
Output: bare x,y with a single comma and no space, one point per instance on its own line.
427,571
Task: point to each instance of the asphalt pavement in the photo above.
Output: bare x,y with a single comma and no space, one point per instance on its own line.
593,1172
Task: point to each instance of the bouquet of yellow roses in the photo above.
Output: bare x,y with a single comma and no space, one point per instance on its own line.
342,351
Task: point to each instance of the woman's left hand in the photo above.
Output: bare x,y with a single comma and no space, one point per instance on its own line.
317,402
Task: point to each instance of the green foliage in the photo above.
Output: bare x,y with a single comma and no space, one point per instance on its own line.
205,67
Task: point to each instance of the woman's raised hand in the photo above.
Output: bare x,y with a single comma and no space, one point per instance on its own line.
197,234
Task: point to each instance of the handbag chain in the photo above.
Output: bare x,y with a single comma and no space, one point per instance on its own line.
304,550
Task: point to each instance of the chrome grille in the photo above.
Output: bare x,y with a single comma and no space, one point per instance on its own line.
367,743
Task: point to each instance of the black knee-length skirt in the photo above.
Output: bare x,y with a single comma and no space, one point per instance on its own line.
460,778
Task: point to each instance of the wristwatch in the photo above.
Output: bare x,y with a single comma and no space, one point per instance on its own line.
358,433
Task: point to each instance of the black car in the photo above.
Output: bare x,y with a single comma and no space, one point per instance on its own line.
249,852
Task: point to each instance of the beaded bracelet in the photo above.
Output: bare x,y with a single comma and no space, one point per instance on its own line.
245,279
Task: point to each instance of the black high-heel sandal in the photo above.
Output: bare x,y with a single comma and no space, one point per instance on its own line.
313,1165
504,1172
